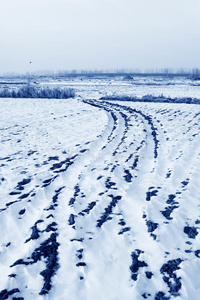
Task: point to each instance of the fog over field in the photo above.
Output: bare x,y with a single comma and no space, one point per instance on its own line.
91,34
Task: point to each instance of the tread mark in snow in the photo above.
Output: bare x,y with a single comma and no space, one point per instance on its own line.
161,296
122,222
20,185
151,227
81,264
109,184
77,240
191,232
49,251
185,182
130,156
128,177
124,230
22,211
53,158
12,275
71,220
145,295
108,210
48,181
5,293
170,277
24,196
150,194
66,163
14,193
35,232
135,163
88,209
80,253
55,199
168,210
149,274
168,174
76,193
84,150
136,264
10,203
170,199
197,253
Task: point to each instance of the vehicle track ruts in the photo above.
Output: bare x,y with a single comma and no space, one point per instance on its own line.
101,188
112,211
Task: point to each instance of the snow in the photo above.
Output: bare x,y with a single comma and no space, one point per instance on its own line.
100,200
96,87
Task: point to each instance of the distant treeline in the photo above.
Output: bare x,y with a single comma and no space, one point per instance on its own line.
30,91
195,72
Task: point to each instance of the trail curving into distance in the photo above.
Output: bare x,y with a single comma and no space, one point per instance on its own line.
117,217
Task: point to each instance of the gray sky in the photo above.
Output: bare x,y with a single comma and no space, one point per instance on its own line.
98,34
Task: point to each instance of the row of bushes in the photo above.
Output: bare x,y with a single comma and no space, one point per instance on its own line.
151,98
30,91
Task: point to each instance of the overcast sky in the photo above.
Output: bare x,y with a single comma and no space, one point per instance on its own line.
98,34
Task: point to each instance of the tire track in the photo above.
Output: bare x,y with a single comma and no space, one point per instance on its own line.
111,172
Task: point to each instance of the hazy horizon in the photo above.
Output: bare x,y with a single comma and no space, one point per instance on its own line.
71,35
139,72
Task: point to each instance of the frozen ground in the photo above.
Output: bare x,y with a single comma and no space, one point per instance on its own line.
99,200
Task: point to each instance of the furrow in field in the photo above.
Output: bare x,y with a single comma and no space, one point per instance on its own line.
113,213
30,243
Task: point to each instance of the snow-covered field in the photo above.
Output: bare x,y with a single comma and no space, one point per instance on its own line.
98,199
